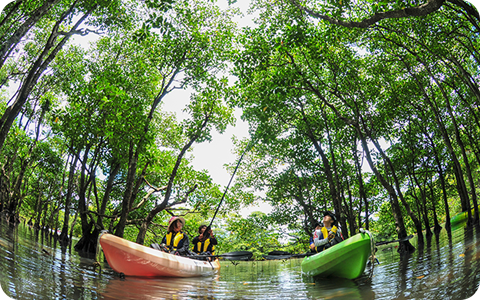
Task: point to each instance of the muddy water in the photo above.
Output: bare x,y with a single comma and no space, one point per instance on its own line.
33,266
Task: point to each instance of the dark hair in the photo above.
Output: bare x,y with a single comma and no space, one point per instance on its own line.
200,228
173,224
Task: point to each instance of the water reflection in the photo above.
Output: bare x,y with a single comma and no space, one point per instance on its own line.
156,288
34,266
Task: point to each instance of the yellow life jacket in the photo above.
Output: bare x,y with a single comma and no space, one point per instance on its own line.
325,231
325,235
205,246
177,237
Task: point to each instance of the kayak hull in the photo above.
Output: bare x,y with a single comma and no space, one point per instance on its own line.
461,217
346,259
457,219
133,259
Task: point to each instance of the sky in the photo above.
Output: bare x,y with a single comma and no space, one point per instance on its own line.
210,156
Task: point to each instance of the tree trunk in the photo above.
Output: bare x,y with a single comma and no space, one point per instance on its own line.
68,200
24,28
10,11
334,194
4,189
423,205
337,181
127,195
352,220
436,227
404,247
38,208
361,188
442,182
82,189
114,169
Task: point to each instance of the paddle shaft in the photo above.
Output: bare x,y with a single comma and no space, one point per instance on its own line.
219,255
206,232
399,240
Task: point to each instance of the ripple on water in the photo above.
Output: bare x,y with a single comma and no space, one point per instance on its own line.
446,268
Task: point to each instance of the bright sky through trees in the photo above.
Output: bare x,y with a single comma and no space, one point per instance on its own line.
212,156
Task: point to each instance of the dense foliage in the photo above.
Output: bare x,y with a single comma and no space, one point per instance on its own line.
368,110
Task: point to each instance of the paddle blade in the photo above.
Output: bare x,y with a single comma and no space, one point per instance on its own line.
237,255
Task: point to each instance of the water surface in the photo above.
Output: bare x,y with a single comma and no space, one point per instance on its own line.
34,266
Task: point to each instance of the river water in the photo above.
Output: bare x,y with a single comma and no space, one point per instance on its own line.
35,267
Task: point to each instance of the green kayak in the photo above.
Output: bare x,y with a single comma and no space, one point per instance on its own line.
346,259
459,218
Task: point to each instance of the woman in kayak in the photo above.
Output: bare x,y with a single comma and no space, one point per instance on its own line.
329,234
176,241
204,244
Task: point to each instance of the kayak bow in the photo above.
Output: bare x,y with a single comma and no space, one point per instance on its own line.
346,259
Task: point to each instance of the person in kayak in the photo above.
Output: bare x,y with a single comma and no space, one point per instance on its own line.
204,245
175,241
329,234
318,226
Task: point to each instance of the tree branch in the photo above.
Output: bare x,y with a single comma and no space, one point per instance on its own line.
145,198
181,201
422,10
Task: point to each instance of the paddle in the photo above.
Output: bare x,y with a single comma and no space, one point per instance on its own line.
236,255
277,254
274,257
285,255
399,240
206,233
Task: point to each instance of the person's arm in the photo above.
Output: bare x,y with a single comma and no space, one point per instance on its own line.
213,240
312,244
317,240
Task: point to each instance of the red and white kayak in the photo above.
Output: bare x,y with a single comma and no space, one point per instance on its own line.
133,259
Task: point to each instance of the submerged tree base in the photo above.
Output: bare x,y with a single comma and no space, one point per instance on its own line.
88,243
405,247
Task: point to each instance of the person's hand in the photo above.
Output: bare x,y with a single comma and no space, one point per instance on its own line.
164,248
211,233
331,235
312,246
